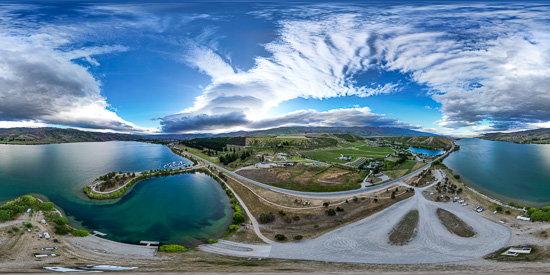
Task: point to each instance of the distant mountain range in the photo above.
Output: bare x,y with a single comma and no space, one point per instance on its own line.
58,135
537,136
361,131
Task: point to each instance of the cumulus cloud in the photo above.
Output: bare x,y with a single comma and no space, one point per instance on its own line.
482,63
40,84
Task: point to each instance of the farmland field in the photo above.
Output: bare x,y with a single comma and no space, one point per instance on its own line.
359,151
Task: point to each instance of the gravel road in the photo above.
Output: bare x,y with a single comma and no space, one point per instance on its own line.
366,241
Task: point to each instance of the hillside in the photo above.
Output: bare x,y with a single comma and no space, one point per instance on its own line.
538,136
58,135
360,131
433,142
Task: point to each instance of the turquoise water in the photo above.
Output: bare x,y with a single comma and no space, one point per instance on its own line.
182,209
505,170
426,151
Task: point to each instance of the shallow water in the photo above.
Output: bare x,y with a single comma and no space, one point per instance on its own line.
505,170
183,209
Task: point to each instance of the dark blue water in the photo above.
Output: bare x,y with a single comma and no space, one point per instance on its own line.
505,170
180,209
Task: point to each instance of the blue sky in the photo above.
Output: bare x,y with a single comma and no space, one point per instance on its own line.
455,68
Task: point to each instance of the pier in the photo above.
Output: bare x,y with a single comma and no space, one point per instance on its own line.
97,233
149,243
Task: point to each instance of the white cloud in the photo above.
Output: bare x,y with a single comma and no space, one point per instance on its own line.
480,62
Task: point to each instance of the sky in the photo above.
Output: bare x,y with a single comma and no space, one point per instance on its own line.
451,68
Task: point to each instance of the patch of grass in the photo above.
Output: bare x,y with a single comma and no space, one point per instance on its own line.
405,231
361,151
454,224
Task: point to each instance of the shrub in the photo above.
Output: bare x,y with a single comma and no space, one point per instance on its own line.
233,227
171,248
545,209
498,209
393,196
238,218
80,233
508,212
331,212
326,204
519,206
298,237
267,218
61,220
296,218
46,206
280,237
457,176
282,213
61,229
286,219
315,226
211,241
339,209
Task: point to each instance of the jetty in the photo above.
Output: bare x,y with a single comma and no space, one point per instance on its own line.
149,243
97,233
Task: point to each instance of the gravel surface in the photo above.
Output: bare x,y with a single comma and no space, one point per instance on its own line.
366,241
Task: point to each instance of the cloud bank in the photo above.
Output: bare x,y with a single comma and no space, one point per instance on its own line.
484,64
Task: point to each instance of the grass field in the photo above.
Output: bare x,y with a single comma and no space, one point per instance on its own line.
359,151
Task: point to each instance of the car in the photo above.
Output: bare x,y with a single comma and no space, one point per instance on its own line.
28,230
40,236
464,204
46,235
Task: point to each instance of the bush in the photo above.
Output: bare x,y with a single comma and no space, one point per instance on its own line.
267,218
233,227
457,176
211,241
507,212
280,237
61,229
519,206
326,204
331,212
238,218
339,209
498,209
172,248
298,237
46,206
512,203
61,221
545,209
286,219
315,226
80,233
296,218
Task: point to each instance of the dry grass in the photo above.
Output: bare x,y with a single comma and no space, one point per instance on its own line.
454,224
405,231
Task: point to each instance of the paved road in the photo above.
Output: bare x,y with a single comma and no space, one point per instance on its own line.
316,194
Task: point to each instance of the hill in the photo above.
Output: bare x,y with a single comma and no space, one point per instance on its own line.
433,142
360,131
58,135
537,136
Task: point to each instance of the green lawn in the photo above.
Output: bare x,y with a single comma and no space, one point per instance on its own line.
362,151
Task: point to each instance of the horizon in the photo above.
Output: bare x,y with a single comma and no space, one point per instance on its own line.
455,69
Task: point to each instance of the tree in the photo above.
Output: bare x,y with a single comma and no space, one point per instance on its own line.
46,206
61,220
280,237
326,204
267,218
331,212
457,176
238,218
498,209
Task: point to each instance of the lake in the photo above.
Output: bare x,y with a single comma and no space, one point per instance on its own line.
184,209
505,170
426,151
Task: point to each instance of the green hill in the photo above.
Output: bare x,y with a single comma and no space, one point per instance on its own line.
58,135
538,136
434,142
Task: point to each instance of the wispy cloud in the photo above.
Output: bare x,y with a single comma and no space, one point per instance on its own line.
480,62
